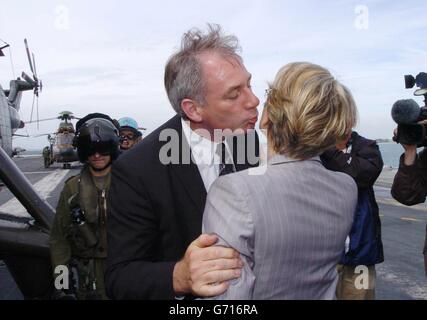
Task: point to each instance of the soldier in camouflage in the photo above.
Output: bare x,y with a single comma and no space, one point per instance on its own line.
78,239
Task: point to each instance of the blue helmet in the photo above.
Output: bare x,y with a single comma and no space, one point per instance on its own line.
129,123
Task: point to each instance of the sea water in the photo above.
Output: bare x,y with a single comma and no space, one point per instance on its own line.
391,153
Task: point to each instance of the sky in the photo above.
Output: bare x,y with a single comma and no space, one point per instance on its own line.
109,56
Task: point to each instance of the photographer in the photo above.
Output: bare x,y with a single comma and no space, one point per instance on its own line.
78,240
361,159
410,183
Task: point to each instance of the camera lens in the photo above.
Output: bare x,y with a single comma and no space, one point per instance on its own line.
409,81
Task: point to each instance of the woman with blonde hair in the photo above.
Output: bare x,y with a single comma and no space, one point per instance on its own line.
290,223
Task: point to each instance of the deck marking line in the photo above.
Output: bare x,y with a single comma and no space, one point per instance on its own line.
43,187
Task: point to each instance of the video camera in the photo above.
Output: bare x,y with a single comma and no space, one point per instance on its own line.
407,113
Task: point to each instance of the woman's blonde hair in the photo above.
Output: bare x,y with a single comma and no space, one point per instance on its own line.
308,111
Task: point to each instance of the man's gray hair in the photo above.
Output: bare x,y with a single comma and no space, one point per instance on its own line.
183,72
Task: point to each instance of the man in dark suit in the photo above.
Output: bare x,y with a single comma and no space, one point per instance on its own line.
158,189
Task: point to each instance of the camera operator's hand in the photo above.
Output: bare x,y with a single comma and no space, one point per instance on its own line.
410,150
410,154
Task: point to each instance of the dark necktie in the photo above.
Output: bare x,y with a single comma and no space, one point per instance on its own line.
226,165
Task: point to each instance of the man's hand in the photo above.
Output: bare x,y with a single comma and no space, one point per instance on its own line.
342,144
206,269
410,150
410,154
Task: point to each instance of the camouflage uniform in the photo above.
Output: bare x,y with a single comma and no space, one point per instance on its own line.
46,157
67,243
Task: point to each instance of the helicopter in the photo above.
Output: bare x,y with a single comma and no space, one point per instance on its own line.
10,101
60,147
24,242
24,245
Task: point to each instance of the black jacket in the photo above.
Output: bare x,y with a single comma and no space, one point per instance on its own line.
154,213
364,164
410,182
410,186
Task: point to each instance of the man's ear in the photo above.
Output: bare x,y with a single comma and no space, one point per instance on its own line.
192,110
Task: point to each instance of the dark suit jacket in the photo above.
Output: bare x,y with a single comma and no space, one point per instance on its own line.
154,213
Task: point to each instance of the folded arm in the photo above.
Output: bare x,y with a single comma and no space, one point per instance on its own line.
364,165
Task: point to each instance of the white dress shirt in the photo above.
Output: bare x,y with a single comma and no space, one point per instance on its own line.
203,153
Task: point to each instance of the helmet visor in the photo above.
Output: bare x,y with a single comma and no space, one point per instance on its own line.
103,148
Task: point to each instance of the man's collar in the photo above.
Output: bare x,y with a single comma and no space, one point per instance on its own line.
202,149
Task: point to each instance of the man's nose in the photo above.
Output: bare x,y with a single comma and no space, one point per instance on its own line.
252,101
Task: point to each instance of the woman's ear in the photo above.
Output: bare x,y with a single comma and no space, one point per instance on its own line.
192,110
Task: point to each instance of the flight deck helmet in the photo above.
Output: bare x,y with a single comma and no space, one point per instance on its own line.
96,134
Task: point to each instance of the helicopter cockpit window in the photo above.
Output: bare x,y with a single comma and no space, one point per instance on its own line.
65,128
65,139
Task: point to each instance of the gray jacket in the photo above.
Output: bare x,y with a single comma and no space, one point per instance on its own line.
289,224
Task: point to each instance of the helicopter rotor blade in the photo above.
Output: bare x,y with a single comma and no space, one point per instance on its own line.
1,49
34,64
41,120
38,113
28,54
32,108
20,135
